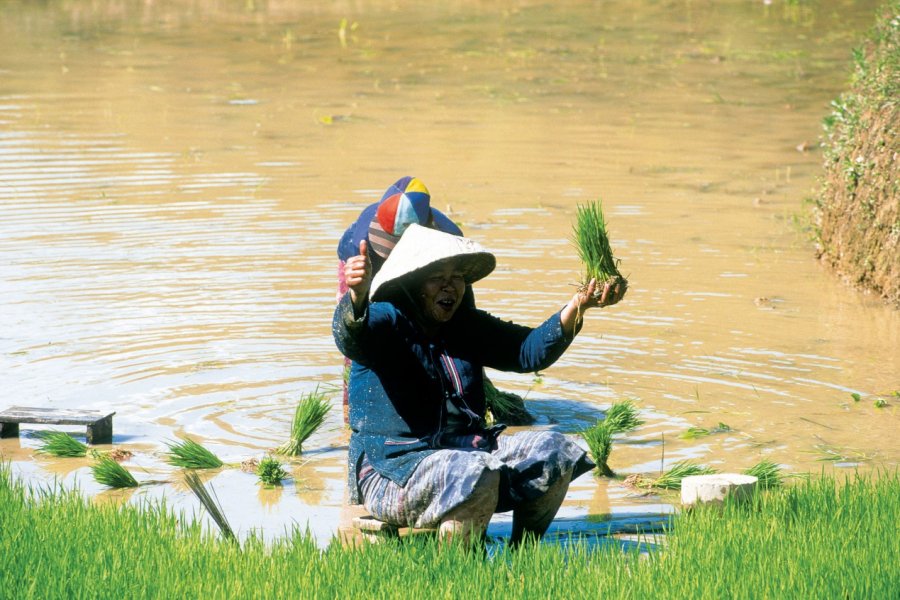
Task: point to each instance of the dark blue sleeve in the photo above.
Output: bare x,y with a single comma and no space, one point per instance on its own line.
349,244
506,346
364,338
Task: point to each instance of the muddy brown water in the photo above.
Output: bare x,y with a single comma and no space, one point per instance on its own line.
174,178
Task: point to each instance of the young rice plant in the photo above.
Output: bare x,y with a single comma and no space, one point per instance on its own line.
210,501
768,474
599,441
671,479
59,443
308,417
110,473
623,417
270,471
191,455
592,242
506,407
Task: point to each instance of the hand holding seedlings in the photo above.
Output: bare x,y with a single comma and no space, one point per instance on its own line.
592,296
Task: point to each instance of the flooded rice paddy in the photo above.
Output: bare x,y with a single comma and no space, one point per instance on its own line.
174,178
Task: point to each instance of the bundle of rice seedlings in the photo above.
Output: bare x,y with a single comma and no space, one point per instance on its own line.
308,417
110,473
59,443
270,471
696,432
599,440
623,417
191,455
506,407
210,501
768,474
671,479
592,242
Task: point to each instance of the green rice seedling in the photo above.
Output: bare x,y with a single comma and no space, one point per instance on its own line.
191,455
110,473
768,474
856,397
880,402
599,441
623,417
59,443
671,479
308,417
270,471
788,539
592,242
696,432
210,501
506,407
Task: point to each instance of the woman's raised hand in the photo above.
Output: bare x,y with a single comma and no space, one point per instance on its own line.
612,292
358,276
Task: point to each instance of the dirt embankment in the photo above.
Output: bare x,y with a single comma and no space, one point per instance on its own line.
858,208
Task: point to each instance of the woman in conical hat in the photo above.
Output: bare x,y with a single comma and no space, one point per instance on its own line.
420,453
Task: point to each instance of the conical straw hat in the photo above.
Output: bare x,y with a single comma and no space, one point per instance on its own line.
420,248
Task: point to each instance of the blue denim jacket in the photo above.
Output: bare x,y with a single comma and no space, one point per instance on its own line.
401,381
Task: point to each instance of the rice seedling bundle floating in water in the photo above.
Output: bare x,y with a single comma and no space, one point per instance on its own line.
308,417
671,479
592,242
599,440
270,471
191,455
697,432
110,473
59,443
623,417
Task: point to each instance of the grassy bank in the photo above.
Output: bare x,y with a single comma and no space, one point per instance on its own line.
858,208
818,539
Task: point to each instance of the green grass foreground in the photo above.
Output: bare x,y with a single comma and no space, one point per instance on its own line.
817,539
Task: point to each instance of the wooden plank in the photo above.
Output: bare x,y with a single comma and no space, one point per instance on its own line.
371,524
52,416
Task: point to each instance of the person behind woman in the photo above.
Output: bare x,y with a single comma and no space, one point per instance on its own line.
420,453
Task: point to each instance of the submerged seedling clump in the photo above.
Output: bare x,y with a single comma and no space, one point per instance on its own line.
59,443
270,472
592,242
191,455
506,407
671,479
696,432
308,417
599,441
108,472
623,417
620,418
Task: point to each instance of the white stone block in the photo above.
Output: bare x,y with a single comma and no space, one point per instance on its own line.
702,489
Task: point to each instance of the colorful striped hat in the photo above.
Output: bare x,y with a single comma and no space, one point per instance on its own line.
404,203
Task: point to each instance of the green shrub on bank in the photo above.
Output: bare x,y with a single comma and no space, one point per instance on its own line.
858,207
818,539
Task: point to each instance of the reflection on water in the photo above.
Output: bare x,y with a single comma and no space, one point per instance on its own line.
174,179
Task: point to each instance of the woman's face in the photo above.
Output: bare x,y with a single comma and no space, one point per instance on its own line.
441,292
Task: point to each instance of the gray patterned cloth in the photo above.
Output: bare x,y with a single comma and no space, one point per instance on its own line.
529,463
